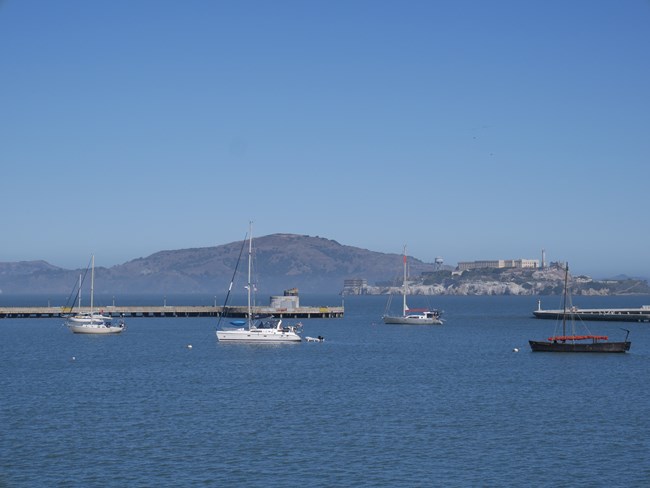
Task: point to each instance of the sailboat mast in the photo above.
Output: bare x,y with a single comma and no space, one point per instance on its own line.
404,308
566,281
250,252
79,295
92,284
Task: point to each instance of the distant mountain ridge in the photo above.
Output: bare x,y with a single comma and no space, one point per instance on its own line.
282,261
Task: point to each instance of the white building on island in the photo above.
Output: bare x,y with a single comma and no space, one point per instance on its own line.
498,263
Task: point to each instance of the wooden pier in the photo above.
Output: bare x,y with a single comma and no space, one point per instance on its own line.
174,311
641,314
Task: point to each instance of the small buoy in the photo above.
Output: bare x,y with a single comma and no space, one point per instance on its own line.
515,349
74,358
189,346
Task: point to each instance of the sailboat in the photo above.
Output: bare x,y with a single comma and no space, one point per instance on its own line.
85,317
92,322
573,342
411,316
263,329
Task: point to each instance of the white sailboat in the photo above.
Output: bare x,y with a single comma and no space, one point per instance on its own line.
91,322
85,317
264,330
410,316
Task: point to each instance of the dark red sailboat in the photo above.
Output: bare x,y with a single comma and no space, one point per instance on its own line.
577,343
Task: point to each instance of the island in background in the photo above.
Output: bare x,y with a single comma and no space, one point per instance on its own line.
311,264
500,281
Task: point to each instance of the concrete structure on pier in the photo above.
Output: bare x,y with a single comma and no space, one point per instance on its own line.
355,286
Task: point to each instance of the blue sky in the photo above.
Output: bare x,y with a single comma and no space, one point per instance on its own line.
463,129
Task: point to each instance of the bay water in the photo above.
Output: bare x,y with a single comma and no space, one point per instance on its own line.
374,405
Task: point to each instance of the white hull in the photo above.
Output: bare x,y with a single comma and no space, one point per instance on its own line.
257,335
95,328
315,339
412,320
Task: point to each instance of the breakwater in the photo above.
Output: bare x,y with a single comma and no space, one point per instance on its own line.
175,311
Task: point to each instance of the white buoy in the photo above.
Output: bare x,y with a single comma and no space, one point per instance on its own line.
189,346
515,349
74,358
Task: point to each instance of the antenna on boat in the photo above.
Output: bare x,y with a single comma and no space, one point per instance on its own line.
626,335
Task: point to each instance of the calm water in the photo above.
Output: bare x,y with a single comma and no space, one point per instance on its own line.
374,405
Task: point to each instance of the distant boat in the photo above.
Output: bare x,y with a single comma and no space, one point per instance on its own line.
315,339
573,342
86,317
259,329
92,322
411,316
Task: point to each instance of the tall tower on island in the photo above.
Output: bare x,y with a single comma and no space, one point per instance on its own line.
543,258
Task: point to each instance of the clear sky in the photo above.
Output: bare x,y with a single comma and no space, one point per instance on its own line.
463,129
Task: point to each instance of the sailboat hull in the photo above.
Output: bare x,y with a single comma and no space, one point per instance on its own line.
412,320
545,346
95,329
257,335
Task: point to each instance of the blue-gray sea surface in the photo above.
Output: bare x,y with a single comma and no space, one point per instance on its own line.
374,405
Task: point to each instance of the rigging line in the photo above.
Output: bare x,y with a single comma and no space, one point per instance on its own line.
566,281
72,293
254,283
397,282
232,281
573,318
75,289
388,303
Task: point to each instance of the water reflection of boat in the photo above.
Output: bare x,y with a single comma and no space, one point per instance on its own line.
570,341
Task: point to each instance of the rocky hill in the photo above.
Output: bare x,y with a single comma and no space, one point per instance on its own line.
548,281
281,261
